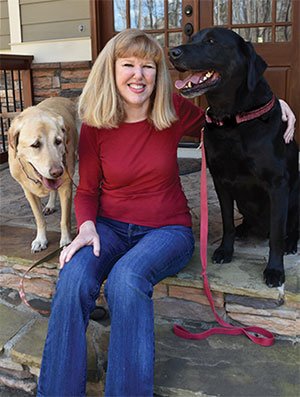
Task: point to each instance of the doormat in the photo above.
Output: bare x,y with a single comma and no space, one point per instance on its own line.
188,166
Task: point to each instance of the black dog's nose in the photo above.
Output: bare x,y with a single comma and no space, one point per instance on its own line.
175,53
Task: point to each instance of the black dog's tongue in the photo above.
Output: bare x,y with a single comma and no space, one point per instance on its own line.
193,78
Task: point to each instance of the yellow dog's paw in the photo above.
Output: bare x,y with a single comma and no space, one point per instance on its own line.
65,240
48,210
38,245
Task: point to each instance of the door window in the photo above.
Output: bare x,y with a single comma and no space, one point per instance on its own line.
162,19
270,20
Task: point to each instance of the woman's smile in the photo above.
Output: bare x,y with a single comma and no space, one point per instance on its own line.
138,88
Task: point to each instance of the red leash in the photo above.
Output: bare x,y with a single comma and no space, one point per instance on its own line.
258,335
22,280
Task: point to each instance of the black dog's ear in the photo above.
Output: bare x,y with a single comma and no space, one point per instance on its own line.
256,66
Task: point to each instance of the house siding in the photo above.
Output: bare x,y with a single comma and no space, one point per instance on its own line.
54,19
4,25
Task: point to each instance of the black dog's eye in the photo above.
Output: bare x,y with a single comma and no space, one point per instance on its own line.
210,41
36,145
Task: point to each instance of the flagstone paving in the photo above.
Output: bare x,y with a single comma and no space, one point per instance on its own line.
218,366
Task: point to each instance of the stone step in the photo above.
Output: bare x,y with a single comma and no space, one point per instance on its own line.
224,366
22,338
237,288
182,368
14,325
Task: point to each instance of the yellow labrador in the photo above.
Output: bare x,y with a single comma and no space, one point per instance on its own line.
42,146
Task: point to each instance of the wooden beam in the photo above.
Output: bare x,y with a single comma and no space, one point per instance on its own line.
15,62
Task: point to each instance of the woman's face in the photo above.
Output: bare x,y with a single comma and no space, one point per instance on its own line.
135,80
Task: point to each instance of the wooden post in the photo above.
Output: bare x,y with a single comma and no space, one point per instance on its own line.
27,88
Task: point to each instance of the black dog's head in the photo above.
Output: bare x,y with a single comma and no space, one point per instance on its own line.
217,58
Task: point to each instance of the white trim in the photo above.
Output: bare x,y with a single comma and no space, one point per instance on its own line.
65,50
14,21
189,153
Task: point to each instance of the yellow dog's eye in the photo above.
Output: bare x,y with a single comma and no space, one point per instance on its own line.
36,145
58,141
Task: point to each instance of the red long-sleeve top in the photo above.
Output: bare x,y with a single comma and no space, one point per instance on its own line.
130,173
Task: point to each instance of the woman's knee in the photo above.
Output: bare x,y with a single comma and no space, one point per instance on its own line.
126,287
77,279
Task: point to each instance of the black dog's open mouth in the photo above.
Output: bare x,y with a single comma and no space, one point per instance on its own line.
198,83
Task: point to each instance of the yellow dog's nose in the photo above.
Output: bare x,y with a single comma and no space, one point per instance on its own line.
56,172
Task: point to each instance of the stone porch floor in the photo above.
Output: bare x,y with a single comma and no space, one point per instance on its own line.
183,368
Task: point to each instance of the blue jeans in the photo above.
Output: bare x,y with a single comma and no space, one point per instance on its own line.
132,259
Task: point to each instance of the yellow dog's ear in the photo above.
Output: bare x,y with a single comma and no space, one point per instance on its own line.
60,121
14,132
64,128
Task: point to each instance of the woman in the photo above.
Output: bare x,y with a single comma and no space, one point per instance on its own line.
133,219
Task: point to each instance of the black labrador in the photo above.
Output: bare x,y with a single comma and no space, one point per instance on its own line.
246,153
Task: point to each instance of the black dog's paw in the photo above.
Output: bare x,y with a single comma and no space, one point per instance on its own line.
222,256
290,246
274,278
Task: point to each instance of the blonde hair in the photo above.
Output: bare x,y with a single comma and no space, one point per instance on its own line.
100,104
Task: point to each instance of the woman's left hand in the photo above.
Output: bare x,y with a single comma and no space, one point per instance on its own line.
289,117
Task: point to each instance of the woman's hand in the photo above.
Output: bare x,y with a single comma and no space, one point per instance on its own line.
87,236
289,117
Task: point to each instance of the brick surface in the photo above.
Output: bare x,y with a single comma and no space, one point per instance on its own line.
59,79
75,74
71,86
43,73
55,65
42,82
76,65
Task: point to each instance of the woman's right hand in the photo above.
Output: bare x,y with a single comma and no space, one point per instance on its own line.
87,236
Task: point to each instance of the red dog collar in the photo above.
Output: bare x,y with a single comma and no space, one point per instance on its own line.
245,116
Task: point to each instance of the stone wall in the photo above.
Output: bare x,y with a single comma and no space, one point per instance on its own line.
181,296
59,79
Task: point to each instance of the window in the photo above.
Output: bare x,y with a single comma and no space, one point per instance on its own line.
259,21
159,18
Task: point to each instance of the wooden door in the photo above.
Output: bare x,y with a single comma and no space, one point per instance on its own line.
273,26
